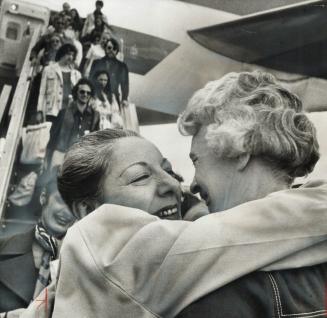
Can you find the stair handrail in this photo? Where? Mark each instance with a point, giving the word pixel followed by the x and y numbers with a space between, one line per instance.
pixel 14 132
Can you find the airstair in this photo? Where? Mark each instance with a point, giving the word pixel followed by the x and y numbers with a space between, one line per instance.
pixel 20 34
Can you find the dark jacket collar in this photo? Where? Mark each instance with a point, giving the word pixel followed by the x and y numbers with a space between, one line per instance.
pixel 107 58
pixel 17 244
pixel 75 109
pixel 17 271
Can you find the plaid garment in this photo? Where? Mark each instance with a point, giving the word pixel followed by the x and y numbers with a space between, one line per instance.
pixel 50 246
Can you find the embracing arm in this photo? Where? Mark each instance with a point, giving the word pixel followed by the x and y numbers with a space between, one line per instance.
pixel 165 265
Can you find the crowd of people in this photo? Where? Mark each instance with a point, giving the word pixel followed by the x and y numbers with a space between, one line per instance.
pixel 251 244
pixel 82 84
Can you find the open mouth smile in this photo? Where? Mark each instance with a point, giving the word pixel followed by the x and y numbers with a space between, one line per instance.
pixel 167 211
pixel 62 220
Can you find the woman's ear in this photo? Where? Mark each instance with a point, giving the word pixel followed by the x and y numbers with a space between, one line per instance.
pixel 43 198
pixel 243 161
pixel 83 208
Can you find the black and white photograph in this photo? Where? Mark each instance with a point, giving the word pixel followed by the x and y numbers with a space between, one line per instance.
pixel 163 159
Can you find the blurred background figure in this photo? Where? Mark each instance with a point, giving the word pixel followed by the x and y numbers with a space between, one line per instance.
pixel 49 56
pixel 25 257
pixel 77 24
pixel 105 102
pixel 45 41
pixel 95 19
pixel 65 8
pixel 70 36
pixel 96 51
pixel 57 82
pixel 77 120
pixel 118 71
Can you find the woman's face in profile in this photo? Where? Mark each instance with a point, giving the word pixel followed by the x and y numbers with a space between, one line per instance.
pixel 140 177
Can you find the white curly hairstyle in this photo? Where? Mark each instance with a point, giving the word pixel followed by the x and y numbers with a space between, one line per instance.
pixel 250 113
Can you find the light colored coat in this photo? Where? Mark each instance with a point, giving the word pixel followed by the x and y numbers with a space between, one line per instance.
pixel 122 262
pixel 89 23
pixel 51 89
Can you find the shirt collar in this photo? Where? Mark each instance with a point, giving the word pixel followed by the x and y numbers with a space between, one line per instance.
pixel 75 109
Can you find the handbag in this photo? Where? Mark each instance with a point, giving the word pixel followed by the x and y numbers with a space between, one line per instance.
pixel 35 139
pixel 24 192
pixel 129 115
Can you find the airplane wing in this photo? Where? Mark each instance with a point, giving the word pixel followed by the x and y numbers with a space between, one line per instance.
pixel 293 39
pixel 243 7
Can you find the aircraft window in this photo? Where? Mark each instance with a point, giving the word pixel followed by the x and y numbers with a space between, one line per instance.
pixel 12 31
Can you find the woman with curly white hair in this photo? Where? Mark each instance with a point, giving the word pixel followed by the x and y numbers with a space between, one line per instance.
pixel 251 139
pixel 252 133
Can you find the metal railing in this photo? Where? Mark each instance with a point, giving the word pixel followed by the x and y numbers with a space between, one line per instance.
pixel 14 132
pixel 4 97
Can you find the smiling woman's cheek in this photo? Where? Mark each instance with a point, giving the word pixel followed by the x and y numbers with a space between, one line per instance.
pixel 135 196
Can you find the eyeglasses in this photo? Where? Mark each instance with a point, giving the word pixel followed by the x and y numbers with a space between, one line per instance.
pixel 109 48
pixel 55 41
pixel 82 92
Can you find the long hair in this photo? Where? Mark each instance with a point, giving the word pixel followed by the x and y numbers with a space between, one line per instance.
pixel 76 23
pixel 83 81
pixel 107 90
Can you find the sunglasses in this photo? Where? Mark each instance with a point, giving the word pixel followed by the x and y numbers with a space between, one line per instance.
pixel 109 48
pixel 82 92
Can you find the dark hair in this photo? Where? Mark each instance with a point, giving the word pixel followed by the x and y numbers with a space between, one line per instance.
pixel 57 17
pixel 107 89
pixel 76 23
pixel 65 49
pixel 47 181
pixel 99 2
pixel 94 34
pixel 86 163
pixel 98 28
pixel 76 11
pixel 115 44
pixel 82 81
